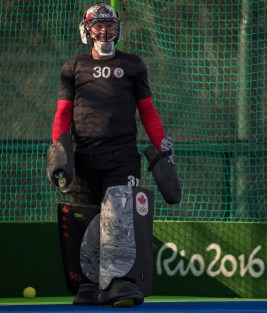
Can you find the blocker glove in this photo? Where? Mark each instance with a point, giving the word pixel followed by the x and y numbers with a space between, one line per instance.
pixel 162 166
pixel 60 164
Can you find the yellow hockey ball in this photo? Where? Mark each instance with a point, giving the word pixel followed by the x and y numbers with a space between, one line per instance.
pixel 29 293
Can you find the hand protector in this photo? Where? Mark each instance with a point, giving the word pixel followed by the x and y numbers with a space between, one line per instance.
pixel 60 164
pixel 164 171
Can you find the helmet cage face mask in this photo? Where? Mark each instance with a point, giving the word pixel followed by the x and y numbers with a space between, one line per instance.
pixel 100 23
pixel 103 30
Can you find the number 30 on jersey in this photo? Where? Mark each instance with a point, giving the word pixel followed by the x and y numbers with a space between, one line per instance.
pixel 106 72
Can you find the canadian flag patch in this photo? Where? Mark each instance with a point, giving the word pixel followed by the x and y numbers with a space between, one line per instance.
pixel 141 203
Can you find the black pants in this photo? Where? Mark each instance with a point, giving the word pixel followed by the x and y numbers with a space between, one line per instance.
pixel 96 172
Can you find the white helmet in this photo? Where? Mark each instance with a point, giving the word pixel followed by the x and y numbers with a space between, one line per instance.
pixel 100 13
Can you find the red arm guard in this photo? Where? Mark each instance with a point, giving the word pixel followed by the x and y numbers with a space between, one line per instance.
pixel 63 119
pixel 151 121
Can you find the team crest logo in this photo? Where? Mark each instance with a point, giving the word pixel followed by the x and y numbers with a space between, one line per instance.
pixel 141 203
pixel 118 72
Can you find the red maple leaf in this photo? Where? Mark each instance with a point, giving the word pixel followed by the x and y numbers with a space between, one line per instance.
pixel 65 209
pixel 142 199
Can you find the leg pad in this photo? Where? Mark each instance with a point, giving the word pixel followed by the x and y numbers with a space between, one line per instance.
pixel 126 237
pixel 73 220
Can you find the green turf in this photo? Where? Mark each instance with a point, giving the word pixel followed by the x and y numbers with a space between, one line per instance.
pixel 68 300
pixel 37 300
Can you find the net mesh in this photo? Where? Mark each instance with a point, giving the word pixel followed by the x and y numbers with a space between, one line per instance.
pixel 207 66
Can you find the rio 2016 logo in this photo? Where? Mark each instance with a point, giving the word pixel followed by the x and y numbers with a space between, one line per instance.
pixel 226 265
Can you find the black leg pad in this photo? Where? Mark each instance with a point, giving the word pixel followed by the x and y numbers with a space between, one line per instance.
pixel 73 220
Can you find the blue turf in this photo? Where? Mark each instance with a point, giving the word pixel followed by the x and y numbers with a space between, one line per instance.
pixel 170 307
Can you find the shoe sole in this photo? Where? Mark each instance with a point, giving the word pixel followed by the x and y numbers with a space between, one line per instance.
pixel 126 303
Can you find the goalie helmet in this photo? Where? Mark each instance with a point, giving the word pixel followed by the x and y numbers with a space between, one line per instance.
pixel 100 13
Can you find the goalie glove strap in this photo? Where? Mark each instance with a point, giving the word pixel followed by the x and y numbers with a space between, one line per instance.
pixel 157 158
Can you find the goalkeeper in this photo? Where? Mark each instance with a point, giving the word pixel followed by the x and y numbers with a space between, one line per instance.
pixel 100 92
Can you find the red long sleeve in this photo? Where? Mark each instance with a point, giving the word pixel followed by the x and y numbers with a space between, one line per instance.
pixel 151 121
pixel 63 119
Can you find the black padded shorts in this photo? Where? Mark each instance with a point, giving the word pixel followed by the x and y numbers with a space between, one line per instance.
pixel 96 172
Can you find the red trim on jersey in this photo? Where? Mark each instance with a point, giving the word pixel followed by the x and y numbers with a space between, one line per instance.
pixel 63 118
pixel 151 121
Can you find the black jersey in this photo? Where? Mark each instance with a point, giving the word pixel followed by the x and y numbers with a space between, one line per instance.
pixel 104 94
